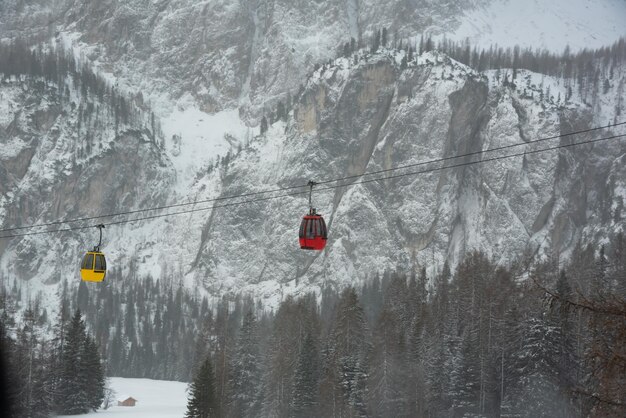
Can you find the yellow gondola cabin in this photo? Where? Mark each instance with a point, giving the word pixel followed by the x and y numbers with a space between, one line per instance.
pixel 94 266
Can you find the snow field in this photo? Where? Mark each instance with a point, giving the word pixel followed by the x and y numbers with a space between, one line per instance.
pixel 155 399
pixel 203 138
pixel 544 24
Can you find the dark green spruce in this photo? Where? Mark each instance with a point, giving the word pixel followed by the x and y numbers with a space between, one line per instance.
pixel 203 402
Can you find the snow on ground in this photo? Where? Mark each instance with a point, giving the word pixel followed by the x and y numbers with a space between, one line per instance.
pixel 202 137
pixel 155 399
pixel 545 24
pixel 193 137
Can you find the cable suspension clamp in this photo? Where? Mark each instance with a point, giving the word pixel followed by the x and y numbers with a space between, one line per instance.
pixel 311 183
pixel 100 228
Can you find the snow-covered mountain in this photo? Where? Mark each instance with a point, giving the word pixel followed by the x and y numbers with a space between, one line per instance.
pixel 71 151
pixel 210 71
pixel 353 119
pixel 553 25
pixel 221 53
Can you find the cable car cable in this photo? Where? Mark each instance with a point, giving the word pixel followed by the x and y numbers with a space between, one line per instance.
pixel 438 160
pixel 413 173
pixel 491 159
pixel 157 208
pixel 161 215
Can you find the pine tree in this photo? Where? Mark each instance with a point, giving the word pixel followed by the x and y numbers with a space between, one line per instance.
pixel 306 381
pixel 281 114
pixel 74 398
pixel 42 402
pixel 58 346
pixel 346 49
pixel 92 367
pixel 246 373
pixel 81 384
pixel 465 376
pixel 512 336
pixel 223 355
pixel 10 379
pixel 537 389
pixel 375 41
pixel 439 365
pixel 567 362
pixel 117 353
pixel 129 320
pixel 619 269
pixel 82 299
pixel 293 321
pixel 29 367
pixel 203 402
pixel 429 44
pixel 330 391
pixel 388 380
pixel 352 345
pixel 22 368
pixel 403 62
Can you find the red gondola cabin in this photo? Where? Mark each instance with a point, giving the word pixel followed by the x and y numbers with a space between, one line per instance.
pixel 313 233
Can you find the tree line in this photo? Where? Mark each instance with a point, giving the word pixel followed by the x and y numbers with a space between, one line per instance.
pixel 49 66
pixel 477 342
pixel 568 64
pixel 484 340
pixel 59 375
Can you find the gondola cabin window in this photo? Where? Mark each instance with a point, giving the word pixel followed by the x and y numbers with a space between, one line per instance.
pixel 100 263
pixel 88 262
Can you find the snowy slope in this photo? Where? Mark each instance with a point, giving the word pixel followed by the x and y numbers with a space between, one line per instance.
pixel 353 118
pixel 551 24
pixel 222 53
pixel 195 139
pixel 226 54
pixel 210 87
pixel 155 399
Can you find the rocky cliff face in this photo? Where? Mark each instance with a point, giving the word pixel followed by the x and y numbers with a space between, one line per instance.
pixel 349 118
pixel 65 157
pixel 224 53
pixel 355 119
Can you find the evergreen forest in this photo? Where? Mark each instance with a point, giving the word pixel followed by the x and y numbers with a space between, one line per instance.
pixel 61 374
pixel 541 340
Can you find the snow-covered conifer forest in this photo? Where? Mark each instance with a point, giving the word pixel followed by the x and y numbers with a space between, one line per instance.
pixel 470 159
pixel 474 341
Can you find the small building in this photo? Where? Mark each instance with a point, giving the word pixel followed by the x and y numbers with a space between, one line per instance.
pixel 129 401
